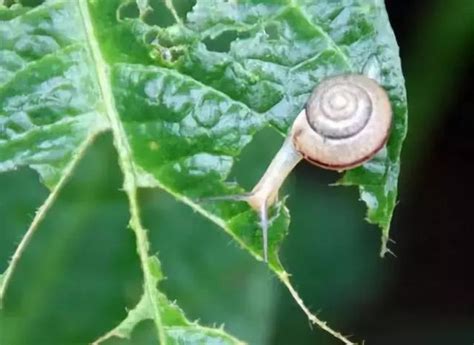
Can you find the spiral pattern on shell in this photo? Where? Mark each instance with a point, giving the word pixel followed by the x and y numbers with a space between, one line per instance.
pixel 345 123
pixel 338 110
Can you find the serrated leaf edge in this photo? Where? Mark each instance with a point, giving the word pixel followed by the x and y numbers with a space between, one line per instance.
pixel 282 275
pixel 5 278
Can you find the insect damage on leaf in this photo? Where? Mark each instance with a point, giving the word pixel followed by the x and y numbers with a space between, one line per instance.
pixel 183 90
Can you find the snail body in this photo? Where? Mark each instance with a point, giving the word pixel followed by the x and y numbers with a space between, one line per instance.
pixel 345 122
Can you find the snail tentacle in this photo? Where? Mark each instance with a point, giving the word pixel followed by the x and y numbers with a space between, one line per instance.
pixel 265 193
pixel 264 225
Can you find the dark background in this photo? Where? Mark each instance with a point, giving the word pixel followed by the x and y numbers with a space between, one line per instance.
pixel 81 271
pixel 432 301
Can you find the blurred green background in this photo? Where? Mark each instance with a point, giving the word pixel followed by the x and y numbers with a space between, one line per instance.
pixel 81 271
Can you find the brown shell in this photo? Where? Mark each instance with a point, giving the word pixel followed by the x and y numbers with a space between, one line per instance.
pixel 345 123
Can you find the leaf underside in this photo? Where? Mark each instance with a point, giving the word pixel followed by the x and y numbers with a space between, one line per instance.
pixel 184 89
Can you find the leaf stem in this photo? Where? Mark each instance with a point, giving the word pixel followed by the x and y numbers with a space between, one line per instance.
pixel 313 318
pixel 126 164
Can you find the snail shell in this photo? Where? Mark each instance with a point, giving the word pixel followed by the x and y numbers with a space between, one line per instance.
pixel 346 122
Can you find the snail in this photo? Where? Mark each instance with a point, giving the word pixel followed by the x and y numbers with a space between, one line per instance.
pixel 345 122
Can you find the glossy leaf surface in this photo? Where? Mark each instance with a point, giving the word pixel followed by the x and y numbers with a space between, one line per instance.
pixel 183 87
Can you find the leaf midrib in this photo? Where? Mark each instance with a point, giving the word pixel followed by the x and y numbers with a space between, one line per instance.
pixel 125 159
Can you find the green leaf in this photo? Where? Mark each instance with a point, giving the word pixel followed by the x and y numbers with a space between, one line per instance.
pixel 178 329
pixel 183 90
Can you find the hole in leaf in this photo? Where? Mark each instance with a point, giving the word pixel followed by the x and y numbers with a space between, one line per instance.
pixel 128 10
pixel 160 15
pixel 183 7
pixel 222 42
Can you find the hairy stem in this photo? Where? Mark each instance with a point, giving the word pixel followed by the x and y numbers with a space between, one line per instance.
pixel 127 167
pixel 313 318
pixel 39 216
